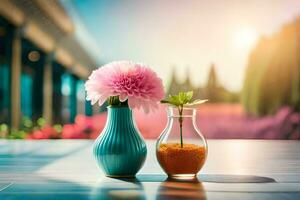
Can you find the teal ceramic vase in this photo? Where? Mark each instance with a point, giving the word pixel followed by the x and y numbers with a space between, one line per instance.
pixel 120 149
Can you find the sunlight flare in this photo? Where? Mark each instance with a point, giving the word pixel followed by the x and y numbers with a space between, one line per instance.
pixel 245 37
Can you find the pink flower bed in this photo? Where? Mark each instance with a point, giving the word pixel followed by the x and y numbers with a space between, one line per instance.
pixel 216 121
pixel 285 124
pixel 223 121
pixel 47 132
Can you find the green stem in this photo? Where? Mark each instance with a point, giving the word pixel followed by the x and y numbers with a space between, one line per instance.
pixel 180 109
pixel 114 101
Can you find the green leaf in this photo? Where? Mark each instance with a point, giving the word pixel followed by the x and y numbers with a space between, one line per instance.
pixel 41 122
pixel 181 97
pixel 179 100
pixel 3 127
pixel 174 100
pixel 196 102
pixel 189 96
pixel 57 127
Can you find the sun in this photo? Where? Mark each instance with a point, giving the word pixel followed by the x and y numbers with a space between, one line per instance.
pixel 245 37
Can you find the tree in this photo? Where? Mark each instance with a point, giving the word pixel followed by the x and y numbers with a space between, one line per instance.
pixel 273 72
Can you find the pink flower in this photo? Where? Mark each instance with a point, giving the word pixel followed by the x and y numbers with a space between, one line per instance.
pixel 50 131
pixel 72 131
pixel 84 122
pixel 47 132
pixel 38 134
pixel 130 81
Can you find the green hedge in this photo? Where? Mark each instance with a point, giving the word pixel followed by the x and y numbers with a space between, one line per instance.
pixel 273 73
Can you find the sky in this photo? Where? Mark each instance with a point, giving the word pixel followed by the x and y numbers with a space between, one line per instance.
pixel 184 35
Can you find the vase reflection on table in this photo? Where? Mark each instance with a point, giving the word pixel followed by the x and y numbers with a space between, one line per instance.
pixel 170 189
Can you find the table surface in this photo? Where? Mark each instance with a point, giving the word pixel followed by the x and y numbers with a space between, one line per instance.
pixel 66 169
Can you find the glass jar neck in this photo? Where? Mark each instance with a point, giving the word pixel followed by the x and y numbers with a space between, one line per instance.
pixel 182 125
pixel 174 112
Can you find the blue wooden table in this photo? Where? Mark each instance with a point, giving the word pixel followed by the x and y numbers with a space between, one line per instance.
pixel 66 169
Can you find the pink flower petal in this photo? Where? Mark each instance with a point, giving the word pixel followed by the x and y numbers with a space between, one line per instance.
pixel 133 81
pixel 123 97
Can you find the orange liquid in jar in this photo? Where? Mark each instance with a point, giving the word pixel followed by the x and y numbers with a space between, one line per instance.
pixel 176 160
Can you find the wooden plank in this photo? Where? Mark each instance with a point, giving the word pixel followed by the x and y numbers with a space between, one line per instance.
pixel 11 12
pixel 66 169
pixel 39 37
pixel 140 195
pixel 63 57
pixel 57 14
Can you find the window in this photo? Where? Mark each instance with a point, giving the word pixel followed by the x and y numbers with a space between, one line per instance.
pixel 26 95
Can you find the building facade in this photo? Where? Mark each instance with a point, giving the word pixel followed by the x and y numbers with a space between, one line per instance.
pixel 42 65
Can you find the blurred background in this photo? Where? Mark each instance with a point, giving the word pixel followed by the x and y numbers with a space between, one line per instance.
pixel 244 56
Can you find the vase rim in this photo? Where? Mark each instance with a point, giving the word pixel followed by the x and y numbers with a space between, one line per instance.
pixel 184 108
pixel 187 112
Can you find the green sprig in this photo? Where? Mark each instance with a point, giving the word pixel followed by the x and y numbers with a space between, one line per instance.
pixel 183 99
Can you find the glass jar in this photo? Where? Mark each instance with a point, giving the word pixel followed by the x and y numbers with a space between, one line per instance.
pixel 181 149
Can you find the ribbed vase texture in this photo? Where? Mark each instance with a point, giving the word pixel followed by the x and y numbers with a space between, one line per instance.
pixel 120 149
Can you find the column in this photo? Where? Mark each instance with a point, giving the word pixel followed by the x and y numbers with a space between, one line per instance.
pixel 16 67
pixel 48 89
pixel 57 95
pixel 88 108
pixel 73 99
pixel 38 92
